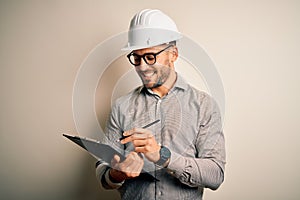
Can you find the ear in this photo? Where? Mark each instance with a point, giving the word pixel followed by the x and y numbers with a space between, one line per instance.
pixel 173 54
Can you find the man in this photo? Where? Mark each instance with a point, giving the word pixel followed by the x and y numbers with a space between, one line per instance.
pixel 184 151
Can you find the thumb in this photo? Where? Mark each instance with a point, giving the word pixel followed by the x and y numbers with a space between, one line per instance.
pixel 116 159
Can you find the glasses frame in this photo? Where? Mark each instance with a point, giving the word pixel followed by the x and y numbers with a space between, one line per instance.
pixel 144 56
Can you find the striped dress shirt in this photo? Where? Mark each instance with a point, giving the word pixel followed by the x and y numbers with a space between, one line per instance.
pixel 190 126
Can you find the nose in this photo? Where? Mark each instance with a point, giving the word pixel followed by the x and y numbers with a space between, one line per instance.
pixel 142 66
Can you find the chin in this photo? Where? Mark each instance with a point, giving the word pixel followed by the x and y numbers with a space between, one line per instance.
pixel 151 86
pixel 148 86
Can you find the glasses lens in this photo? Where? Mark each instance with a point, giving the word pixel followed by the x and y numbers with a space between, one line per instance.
pixel 150 59
pixel 135 59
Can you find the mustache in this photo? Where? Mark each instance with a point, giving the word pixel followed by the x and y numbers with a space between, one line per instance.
pixel 148 68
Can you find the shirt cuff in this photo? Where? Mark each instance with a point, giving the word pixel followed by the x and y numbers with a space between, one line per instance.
pixel 181 168
pixel 176 165
pixel 101 167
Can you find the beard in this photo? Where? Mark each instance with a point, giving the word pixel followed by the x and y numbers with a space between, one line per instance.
pixel 155 77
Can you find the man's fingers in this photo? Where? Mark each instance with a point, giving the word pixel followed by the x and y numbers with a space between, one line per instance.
pixel 129 160
pixel 136 170
pixel 143 149
pixel 134 130
pixel 137 136
pixel 116 159
pixel 132 165
pixel 136 166
pixel 138 143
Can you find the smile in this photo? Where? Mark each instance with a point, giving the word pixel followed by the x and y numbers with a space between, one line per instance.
pixel 148 74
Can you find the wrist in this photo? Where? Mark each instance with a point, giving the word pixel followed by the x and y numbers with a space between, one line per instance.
pixel 164 157
pixel 115 176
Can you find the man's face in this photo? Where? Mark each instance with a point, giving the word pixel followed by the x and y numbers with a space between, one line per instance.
pixel 155 75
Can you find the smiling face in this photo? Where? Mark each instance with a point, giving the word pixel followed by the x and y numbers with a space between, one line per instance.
pixel 156 75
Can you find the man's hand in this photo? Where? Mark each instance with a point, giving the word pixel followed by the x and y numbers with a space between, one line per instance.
pixel 131 167
pixel 144 142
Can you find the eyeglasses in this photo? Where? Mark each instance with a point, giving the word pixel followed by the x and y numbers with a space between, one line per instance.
pixel 149 58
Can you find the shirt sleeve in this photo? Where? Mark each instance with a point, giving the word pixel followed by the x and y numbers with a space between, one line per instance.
pixel 206 169
pixel 102 174
pixel 112 133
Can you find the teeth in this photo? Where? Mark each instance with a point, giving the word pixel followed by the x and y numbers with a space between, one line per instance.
pixel 149 74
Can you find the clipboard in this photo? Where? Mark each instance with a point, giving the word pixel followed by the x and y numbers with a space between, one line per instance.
pixel 102 151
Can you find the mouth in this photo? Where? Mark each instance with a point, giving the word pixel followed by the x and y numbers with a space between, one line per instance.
pixel 147 74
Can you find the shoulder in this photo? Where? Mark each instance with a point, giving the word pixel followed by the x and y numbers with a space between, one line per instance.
pixel 200 95
pixel 203 100
pixel 192 92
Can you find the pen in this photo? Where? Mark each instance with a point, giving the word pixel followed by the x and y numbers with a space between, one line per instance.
pixel 146 126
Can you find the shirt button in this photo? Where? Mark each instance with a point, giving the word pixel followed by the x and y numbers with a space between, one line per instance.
pixel 160 193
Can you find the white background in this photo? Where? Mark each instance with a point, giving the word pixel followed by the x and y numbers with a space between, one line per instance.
pixel 254 44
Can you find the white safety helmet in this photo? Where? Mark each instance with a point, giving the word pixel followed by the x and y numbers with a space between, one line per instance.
pixel 150 28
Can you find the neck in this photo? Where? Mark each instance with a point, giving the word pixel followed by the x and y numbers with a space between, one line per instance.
pixel 166 87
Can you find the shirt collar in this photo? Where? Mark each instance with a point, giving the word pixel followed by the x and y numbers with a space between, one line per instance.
pixel 180 83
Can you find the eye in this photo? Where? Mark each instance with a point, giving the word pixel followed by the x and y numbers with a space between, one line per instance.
pixel 136 58
pixel 150 57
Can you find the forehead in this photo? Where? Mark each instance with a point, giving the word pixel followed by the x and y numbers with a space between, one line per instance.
pixel 148 50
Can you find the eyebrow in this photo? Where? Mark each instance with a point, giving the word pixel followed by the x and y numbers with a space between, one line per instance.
pixel 147 52
pixel 158 50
